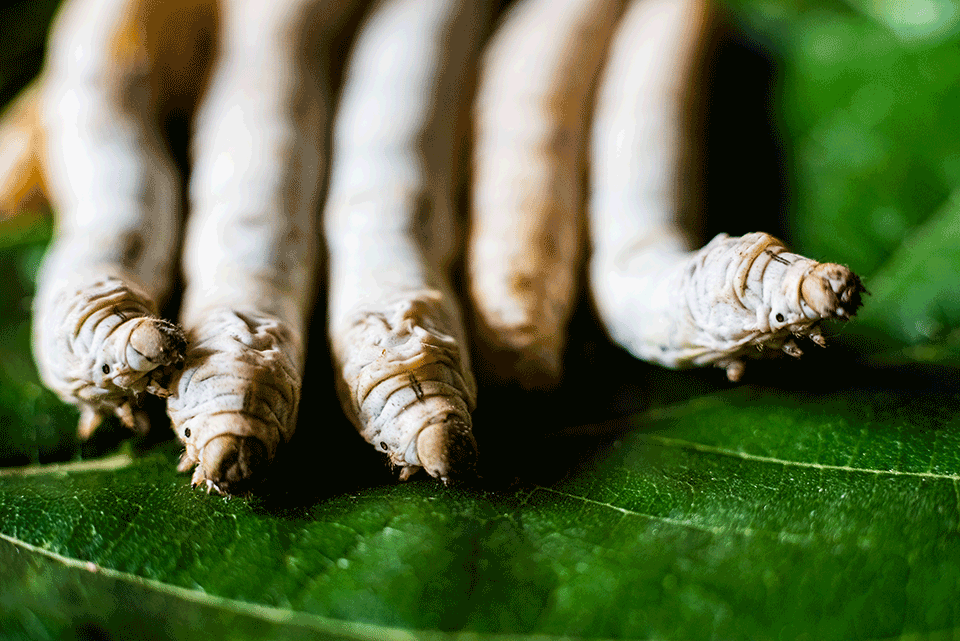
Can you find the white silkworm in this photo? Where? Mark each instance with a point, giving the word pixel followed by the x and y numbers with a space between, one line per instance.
pixel 662 302
pixel 726 302
pixel 250 251
pixel 402 368
pixel 532 110
pixel 233 382
pixel 114 188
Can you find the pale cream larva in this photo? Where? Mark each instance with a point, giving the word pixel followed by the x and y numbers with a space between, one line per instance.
pixel 531 125
pixel 251 242
pixel 115 69
pixel 115 190
pixel 736 297
pixel 401 362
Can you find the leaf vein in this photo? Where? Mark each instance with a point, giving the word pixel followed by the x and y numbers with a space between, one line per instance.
pixel 746 456
pixel 326 626
pixel 788 537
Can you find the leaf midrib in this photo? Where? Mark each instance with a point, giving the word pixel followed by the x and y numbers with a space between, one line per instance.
pixel 746 456
pixel 343 628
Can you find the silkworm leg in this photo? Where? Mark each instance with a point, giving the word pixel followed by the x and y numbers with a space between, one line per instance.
pixel 401 362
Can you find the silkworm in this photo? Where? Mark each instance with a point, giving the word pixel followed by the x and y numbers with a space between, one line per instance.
pixel 736 297
pixel 114 188
pixel 250 248
pixel 524 249
pixel 403 372
pixel 233 379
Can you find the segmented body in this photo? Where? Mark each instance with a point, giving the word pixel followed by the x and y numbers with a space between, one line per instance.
pixel 407 374
pixel 398 341
pixel 729 300
pixel 108 348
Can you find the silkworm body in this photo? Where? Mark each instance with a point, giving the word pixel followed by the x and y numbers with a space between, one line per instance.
pixel 398 343
pixel 524 247
pixel 733 299
pixel 114 189
pixel 250 246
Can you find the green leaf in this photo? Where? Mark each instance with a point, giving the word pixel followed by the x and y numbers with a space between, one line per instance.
pixel 747 513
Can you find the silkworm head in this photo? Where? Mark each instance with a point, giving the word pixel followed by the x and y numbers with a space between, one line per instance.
pixel 832 290
pixel 447 449
pixel 232 463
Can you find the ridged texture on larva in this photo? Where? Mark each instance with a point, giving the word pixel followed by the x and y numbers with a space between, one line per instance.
pixel 396 332
pixel 407 371
pixel 735 297
pixel 728 300
pixel 238 363
pixel 114 189
pixel 92 355
pixel 250 249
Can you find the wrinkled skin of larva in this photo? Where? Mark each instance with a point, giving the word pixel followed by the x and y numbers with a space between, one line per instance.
pixel 110 348
pixel 733 299
pixel 400 355
pixel 414 393
pixel 235 399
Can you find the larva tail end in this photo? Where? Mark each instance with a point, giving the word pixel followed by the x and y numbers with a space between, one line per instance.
pixel 231 464
pixel 833 291
pixel 447 450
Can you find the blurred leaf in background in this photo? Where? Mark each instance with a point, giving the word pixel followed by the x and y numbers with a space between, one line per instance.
pixel 867 98
pixel 820 500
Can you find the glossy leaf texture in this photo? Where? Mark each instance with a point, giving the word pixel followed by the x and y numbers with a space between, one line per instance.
pixel 748 512
pixel 818 500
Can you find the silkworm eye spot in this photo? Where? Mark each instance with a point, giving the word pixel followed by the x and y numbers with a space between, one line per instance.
pixel 383 446
pixel 186 432
pixel 105 369
pixel 779 318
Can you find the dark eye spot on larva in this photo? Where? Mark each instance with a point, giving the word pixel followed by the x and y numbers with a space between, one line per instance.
pixel 383 446
pixel 779 318
pixel 186 432
pixel 105 369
